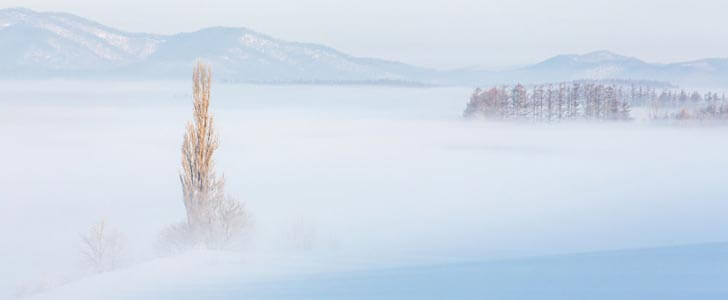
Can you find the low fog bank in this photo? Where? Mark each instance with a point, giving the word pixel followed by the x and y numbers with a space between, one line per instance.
pixel 346 177
pixel 652 273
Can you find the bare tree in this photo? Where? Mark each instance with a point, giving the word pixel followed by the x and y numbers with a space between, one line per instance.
pixel 696 98
pixel 212 217
pixel 549 103
pixel 101 248
pixel 301 235
pixel 475 103
pixel 198 178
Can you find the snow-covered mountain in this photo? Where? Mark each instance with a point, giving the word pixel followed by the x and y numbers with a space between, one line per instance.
pixel 42 45
pixel 595 65
pixel 47 44
pixel 607 65
pixel 35 44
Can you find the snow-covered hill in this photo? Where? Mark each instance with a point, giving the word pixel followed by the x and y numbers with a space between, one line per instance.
pixel 688 272
pixel 607 65
pixel 42 44
pixel 595 65
pixel 35 44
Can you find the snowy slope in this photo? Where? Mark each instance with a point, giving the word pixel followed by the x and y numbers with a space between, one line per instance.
pixel 687 272
pixel 37 44
pixel 240 54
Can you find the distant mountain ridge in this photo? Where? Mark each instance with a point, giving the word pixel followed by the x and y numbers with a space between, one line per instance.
pixel 37 45
pixel 607 65
pixel 56 42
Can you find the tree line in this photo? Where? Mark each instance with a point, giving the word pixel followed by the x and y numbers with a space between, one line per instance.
pixel 594 100
pixel 551 102
pixel 681 105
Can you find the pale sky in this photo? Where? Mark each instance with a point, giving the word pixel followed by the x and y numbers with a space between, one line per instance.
pixel 440 33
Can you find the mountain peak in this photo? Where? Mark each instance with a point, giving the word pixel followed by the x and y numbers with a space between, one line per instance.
pixel 16 12
pixel 604 55
pixel 600 57
pixel 17 9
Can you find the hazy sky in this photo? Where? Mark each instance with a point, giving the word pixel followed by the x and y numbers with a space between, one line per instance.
pixel 440 33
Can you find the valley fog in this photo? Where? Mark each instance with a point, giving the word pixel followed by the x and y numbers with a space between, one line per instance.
pixel 379 174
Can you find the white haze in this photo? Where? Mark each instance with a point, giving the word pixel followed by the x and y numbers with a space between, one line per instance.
pixel 389 176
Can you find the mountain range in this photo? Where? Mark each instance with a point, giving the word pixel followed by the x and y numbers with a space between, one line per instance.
pixel 37 45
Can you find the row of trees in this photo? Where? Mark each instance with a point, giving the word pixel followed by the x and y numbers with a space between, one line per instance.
pixel 594 100
pixel 551 102
pixel 670 98
pixel 680 105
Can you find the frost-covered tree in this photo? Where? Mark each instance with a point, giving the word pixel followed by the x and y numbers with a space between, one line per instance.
pixel 213 218
pixel 696 98
pixel 101 248
pixel 560 101
pixel 520 99
pixel 611 104
pixel 475 103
